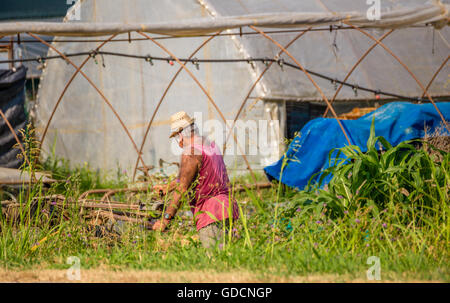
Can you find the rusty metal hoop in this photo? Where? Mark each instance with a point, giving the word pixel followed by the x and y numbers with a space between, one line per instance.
pixel 163 96
pixel 354 67
pixel 405 67
pixel 66 87
pixel 435 74
pixel 204 91
pixel 257 81
pixel 309 77
pixel 95 87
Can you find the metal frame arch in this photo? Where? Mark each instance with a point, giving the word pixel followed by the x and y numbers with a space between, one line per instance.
pixel 435 75
pixel 354 67
pixel 96 88
pixel 257 81
pixel 163 97
pixel 204 91
pixel 425 91
pixel 309 77
pixel 67 86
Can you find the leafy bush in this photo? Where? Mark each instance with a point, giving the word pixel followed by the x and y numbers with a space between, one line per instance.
pixel 403 174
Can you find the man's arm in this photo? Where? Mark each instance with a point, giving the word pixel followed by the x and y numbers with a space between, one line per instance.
pixel 166 188
pixel 190 165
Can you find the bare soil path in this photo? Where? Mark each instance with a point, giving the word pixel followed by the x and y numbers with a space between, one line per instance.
pixel 137 276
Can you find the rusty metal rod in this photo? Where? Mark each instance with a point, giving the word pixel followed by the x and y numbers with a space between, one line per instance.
pixel 162 98
pixel 97 89
pixel 97 204
pixel 92 191
pixel 110 191
pixel 120 190
pixel 405 67
pixel 309 77
pixel 204 91
pixel 354 67
pixel 66 87
pixel 435 74
pixel 112 216
pixel 257 81
pixel 133 214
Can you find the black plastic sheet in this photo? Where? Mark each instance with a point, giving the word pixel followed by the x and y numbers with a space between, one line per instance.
pixel 12 99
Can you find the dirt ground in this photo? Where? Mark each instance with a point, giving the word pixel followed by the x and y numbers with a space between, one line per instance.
pixel 106 276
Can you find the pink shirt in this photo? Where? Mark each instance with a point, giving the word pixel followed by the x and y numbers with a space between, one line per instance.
pixel 212 193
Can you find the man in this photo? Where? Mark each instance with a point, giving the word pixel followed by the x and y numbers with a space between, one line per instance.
pixel 202 168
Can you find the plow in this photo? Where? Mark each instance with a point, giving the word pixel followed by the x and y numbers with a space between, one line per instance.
pixel 99 208
pixel 104 210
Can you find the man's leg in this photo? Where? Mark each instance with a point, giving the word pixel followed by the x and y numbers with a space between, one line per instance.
pixel 211 234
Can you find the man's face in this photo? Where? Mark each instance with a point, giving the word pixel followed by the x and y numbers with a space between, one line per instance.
pixel 179 139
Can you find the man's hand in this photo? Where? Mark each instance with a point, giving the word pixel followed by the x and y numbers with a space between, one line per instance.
pixel 160 225
pixel 160 188
pixel 164 189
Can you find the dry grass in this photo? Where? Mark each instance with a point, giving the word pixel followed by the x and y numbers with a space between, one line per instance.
pixel 148 276
pixel 439 139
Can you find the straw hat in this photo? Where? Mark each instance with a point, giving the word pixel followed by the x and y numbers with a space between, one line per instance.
pixel 178 122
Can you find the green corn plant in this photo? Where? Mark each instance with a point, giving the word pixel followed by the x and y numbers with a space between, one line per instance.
pixel 383 178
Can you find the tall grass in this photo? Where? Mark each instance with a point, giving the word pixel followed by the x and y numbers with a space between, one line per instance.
pixel 390 202
pixel 392 192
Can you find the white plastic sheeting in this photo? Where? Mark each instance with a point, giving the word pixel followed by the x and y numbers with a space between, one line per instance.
pixel 269 14
pixel 84 129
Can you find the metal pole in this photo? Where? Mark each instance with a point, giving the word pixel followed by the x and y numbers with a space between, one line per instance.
pixel 257 81
pixel 309 77
pixel 205 91
pixel 405 67
pixel 435 74
pixel 66 87
pixel 354 67
pixel 96 88
pixel 162 98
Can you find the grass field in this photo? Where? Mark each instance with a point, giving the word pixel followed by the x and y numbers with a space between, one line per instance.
pixel 393 205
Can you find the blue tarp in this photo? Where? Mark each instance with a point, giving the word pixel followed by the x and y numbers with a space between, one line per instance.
pixel 308 152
